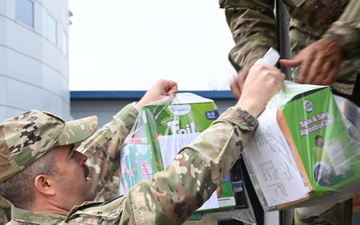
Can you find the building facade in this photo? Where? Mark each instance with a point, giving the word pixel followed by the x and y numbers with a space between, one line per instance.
pixel 34 63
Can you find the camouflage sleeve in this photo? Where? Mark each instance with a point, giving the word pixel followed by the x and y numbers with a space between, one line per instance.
pixel 346 30
pixel 193 175
pixel 253 26
pixel 102 148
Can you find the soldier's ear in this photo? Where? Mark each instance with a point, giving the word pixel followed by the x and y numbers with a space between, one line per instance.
pixel 44 184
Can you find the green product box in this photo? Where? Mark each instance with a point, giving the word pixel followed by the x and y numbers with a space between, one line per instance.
pixel 301 154
pixel 166 129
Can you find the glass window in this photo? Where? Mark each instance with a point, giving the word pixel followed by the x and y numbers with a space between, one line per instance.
pixel 65 44
pixel 51 29
pixel 25 12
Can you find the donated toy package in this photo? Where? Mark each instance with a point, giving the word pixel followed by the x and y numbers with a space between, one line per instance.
pixel 304 151
pixel 160 132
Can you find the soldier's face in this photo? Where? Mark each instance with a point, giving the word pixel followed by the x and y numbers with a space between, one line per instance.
pixel 72 182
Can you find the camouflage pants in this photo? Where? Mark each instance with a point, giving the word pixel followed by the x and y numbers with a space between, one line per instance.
pixel 339 214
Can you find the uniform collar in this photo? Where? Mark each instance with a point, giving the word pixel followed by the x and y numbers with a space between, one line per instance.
pixel 29 217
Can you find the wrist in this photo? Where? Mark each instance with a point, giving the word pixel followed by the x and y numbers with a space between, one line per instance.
pixel 135 104
pixel 249 106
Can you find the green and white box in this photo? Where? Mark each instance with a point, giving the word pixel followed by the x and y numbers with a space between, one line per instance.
pixel 166 128
pixel 301 153
pixel 169 127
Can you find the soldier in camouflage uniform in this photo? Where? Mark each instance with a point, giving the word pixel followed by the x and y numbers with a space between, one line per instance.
pixel 44 174
pixel 324 38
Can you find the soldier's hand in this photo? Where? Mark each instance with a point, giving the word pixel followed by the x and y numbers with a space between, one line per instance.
pixel 319 62
pixel 159 90
pixel 262 83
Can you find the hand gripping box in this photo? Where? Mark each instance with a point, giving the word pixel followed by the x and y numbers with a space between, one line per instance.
pixel 163 130
pixel 301 154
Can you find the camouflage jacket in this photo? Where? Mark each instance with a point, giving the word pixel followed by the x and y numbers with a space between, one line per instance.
pixel 253 25
pixel 174 194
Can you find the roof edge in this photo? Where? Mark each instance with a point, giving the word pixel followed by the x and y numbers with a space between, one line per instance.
pixel 92 95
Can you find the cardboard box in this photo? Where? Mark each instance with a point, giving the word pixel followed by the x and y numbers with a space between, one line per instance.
pixel 301 153
pixel 166 129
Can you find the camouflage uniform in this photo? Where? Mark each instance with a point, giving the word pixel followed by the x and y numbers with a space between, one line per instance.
pixel 110 190
pixel 174 194
pixel 253 26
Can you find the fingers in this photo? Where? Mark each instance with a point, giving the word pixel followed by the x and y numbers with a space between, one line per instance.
pixel 332 72
pixel 261 84
pixel 163 87
pixel 323 76
pixel 309 70
pixel 319 72
pixel 237 85
pixel 275 81
pixel 170 87
pixel 159 90
pixel 319 62
pixel 278 80
pixel 290 62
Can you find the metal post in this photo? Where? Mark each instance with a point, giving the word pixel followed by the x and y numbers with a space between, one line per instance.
pixel 282 22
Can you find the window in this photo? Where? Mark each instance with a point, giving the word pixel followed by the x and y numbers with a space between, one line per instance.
pixel 25 12
pixel 51 29
pixel 65 44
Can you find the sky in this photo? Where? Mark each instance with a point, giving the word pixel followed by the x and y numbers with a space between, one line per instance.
pixel 128 45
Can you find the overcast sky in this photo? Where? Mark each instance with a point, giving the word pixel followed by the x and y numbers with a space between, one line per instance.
pixel 128 45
